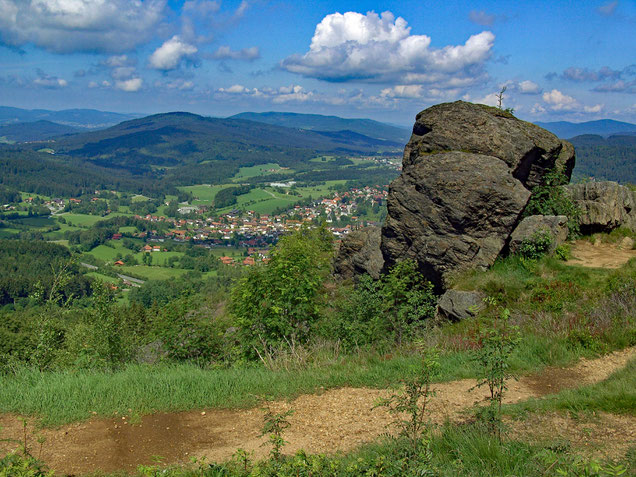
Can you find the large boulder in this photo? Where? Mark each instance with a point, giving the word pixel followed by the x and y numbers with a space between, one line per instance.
pixel 604 206
pixel 360 253
pixel 528 150
pixel 555 225
pixel 456 305
pixel 466 179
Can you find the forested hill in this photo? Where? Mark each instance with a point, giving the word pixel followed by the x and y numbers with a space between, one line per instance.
pixel 34 131
pixel 156 154
pixel 612 158
pixel 172 138
pixel 318 122
pixel 601 127
pixel 82 118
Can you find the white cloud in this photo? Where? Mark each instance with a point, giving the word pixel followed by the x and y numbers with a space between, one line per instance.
pixel 490 99
pixel 65 26
pixel 226 53
pixel 283 94
pixel 528 87
pixel 412 91
pixel 560 102
pixel 47 81
pixel 130 86
pixel 169 55
pixel 380 48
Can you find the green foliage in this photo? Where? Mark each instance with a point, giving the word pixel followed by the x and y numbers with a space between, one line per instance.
pixel 498 341
pixel 280 301
pixel 550 198
pixel 413 401
pixel 274 425
pixel 393 309
pixel 226 197
pixel 536 246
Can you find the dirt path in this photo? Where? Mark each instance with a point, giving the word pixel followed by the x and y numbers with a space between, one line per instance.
pixel 600 255
pixel 335 420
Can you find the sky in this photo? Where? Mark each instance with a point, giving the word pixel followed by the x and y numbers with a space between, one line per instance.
pixel 385 60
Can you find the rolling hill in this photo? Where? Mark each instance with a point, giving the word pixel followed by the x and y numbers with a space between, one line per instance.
pixel 602 127
pixel 81 118
pixel 34 131
pixel 317 122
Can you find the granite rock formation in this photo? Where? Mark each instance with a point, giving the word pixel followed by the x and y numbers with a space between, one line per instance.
pixel 467 174
pixel 360 253
pixel 604 206
pixel 555 225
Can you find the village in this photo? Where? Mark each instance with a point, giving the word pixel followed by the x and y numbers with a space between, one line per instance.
pixel 258 232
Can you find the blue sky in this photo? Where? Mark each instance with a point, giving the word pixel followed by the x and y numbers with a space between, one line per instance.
pixel 559 60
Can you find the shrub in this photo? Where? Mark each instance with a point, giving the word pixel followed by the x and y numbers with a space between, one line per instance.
pixel 536 246
pixel 550 198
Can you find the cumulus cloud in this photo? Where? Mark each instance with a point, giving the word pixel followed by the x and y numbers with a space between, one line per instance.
pixel 528 87
pixel 283 94
pixel 560 102
pixel 246 54
pixel 380 48
pixel 47 81
pixel 170 55
pixel 411 91
pixel 64 26
pixel 130 86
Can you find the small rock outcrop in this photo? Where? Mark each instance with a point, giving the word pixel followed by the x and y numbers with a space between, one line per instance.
pixel 458 305
pixel 604 206
pixel 360 253
pixel 467 174
pixel 555 225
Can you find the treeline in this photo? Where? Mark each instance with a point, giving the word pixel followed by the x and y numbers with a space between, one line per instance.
pixel 103 230
pixel 39 270
pixel 62 176
pixel 226 197
pixel 612 158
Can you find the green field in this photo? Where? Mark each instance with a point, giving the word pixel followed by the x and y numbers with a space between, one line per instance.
pixel 85 220
pixel 152 273
pixel 158 258
pixel 8 233
pixel 128 230
pixel 204 194
pixel 108 254
pixel 260 170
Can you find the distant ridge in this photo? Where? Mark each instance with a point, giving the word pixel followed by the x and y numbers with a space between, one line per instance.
pixel 318 122
pixel 601 127
pixel 41 130
pixel 80 118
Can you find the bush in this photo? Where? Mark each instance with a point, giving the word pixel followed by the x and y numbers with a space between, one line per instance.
pixel 550 198
pixel 536 246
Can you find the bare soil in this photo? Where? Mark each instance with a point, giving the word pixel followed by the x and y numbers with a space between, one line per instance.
pixel 599 254
pixel 326 422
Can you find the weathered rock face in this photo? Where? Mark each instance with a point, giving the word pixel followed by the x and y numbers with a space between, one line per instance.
pixel 556 225
pixel 458 305
pixel 604 206
pixel 466 179
pixel 360 253
pixel 527 149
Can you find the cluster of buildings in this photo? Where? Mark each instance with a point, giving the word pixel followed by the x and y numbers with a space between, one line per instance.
pixel 259 231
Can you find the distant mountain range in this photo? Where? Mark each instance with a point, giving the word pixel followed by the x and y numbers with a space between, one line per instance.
pixel 34 131
pixel 602 127
pixel 80 118
pixel 317 122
